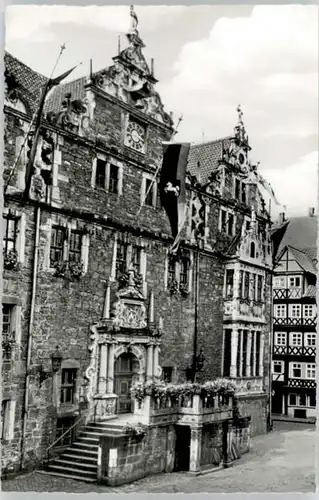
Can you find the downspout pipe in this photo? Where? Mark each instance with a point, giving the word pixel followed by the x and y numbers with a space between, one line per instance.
pixel 37 216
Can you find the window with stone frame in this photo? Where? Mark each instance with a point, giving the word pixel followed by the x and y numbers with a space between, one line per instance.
pixel 8 335
pixel 113 186
pixel 68 385
pixel 58 236
pixel 246 285
pixel 227 352
pixel 240 190
pixel 171 268
pixel 121 255
pixel 100 174
pixel 167 373
pixel 229 292
pixel 75 246
pixel 5 405
pixel 257 354
pixel 244 356
pixel 136 258
pixel 10 233
pixel 184 270
pixel 260 284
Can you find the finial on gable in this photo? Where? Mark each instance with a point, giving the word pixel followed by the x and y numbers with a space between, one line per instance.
pixel 134 20
pixel 239 130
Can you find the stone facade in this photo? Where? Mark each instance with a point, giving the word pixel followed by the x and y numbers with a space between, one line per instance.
pixel 96 152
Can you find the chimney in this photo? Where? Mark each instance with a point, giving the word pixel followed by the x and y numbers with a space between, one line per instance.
pixel 281 218
pixel 311 211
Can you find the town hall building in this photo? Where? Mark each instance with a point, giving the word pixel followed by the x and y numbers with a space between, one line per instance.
pixel 93 299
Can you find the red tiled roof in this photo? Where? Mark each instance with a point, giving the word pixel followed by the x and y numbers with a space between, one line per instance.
pixel 207 155
pixel 30 82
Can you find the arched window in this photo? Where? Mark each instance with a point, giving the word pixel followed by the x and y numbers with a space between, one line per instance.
pixel 252 250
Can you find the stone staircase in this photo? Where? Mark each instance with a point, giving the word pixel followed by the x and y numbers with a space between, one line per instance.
pixel 79 461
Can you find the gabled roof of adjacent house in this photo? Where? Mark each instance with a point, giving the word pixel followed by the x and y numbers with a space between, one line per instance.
pixel 30 82
pixel 302 259
pixel 206 157
pixel 302 233
pixel 57 95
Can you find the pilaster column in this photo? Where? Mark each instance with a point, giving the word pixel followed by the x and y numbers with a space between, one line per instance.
pixel 241 359
pixel 253 352
pixel 261 355
pixel 103 369
pixel 233 359
pixel 149 368
pixel 195 449
pixel 110 369
pixel 156 360
pixel 248 370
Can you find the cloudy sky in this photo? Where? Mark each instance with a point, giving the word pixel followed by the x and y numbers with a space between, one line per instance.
pixel 208 59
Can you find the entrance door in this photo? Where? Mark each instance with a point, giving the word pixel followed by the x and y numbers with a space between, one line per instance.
pixel 123 374
pixel 276 401
pixel 182 448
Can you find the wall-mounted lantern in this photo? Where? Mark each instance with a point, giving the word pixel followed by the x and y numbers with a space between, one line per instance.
pixel 56 361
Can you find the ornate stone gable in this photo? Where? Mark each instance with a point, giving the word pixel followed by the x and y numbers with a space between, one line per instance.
pixel 255 246
pixel 131 80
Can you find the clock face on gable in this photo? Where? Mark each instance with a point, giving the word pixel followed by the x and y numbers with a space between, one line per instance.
pixel 135 136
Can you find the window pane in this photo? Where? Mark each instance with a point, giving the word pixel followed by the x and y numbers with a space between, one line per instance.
pixel 100 173
pixel 148 192
pixel 113 181
pixel 75 246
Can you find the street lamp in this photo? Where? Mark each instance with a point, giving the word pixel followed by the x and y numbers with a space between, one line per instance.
pixel 56 361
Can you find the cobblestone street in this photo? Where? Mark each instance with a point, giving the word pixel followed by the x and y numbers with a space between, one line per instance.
pixel 282 461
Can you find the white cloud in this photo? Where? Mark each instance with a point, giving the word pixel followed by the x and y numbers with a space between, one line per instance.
pixel 32 22
pixel 295 186
pixel 268 62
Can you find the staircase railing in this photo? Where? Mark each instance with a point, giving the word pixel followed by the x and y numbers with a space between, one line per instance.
pixel 48 450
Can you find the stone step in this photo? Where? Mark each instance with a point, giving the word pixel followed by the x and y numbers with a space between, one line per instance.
pixel 84 467
pixel 84 445
pixel 73 470
pixel 102 428
pixel 69 476
pixel 82 452
pixel 75 456
pixel 88 439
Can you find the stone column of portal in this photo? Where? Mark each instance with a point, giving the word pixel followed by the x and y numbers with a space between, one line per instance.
pixel 195 449
pixel 261 355
pixel 103 372
pixel 248 371
pixel 233 359
pixel 110 370
pixel 149 367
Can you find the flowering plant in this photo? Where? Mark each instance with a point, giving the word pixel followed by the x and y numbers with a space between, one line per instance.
pixel 136 429
pixel 172 286
pixel 10 260
pixel 76 269
pixel 61 268
pixel 138 392
pixel 183 288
